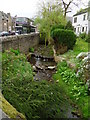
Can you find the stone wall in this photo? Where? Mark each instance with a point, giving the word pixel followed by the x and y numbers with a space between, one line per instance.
pixel 21 42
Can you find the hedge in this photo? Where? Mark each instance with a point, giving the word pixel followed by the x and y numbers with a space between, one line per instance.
pixel 64 37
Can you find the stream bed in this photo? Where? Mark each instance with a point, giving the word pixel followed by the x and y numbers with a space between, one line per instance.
pixel 44 69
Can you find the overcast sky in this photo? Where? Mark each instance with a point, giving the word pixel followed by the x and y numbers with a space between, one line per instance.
pixel 25 8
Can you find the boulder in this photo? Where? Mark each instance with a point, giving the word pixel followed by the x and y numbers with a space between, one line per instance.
pixel 82 55
pixel 85 67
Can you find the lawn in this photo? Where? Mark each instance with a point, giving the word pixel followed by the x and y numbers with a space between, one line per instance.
pixel 80 46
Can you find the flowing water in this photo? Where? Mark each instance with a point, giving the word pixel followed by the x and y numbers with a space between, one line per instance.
pixel 44 70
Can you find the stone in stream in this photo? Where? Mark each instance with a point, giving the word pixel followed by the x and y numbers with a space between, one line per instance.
pixel 51 67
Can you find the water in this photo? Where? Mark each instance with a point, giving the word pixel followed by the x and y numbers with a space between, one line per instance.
pixel 41 65
pixel 42 72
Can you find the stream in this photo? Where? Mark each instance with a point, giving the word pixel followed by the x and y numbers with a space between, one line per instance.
pixel 44 70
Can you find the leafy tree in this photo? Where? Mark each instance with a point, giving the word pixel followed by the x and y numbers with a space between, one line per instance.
pixel 69 26
pixel 48 16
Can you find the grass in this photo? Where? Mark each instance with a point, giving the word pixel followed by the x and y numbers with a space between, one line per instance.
pixel 80 46
pixel 9 109
pixel 34 99
pixel 76 88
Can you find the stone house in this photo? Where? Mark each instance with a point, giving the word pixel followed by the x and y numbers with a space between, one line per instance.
pixel 3 21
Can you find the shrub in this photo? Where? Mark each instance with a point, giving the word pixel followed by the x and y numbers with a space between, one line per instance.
pixel 57 27
pixel 43 38
pixel 83 35
pixel 15 51
pixel 64 37
pixel 31 49
pixel 88 38
pixel 69 26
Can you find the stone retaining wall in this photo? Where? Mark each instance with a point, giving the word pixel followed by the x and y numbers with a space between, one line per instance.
pixel 21 42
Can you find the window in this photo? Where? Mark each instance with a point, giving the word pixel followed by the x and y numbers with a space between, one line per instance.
pixel 75 19
pixel 82 29
pixel 75 29
pixel 78 29
pixel 84 17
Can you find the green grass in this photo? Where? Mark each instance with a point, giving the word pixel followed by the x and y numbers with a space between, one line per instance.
pixel 9 109
pixel 80 46
pixel 34 99
pixel 76 88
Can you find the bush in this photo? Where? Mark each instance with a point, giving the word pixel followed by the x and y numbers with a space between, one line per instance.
pixel 15 51
pixel 42 38
pixel 57 27
pixel 69 26
pixel 83 35
pixel 88 38
pixel 64 37
pixel 31 49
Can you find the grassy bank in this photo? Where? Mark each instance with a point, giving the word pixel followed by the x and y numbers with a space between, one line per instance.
pixel 32 98
pixel 80 46
pixel 76 89
pixel 9 109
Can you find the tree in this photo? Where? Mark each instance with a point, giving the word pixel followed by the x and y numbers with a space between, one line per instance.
pixel 69 26
pixel 66 5
pixel 48 16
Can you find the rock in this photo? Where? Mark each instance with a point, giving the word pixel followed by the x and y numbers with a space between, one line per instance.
pixel 82 55
pixel 85 67
pixel 34 68
pixel 51 67
pixel 39 67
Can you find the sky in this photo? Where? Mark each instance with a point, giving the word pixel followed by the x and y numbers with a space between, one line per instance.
pixel 27 8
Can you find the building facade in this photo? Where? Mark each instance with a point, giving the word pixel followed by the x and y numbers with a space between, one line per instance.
pixel 5 22
pixel 24 25
pixel 81 22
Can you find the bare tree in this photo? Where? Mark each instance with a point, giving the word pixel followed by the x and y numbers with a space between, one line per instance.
pixel 67 5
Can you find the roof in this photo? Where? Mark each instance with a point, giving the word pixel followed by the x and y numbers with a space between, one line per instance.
pixel 81 12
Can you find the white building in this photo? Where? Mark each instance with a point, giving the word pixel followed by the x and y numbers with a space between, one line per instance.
pixel 81 22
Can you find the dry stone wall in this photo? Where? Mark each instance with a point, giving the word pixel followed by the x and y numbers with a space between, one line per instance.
pixel 21 42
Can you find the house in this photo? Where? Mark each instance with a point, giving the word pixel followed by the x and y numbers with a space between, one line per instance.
pixel 81 21
pixel 5 22
pixel 24 25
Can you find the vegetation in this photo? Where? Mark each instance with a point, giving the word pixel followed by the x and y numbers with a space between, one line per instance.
pixel 31 49
pixel 64 37
pixel 80 46
pixel 77 90
pixel 69 26
pixel 34 99
pixel 83 35
pixel 9 109
pixel 49 16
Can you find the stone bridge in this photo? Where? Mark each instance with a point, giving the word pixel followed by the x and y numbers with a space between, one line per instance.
pixel 22 42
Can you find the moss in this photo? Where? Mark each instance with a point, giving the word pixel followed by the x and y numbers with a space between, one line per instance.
pixel 9 109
